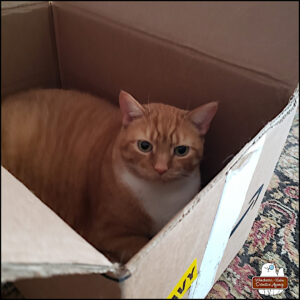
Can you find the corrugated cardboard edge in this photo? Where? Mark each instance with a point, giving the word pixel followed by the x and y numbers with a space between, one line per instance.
pixel 289 108
pixel 84 260
pixel 14 271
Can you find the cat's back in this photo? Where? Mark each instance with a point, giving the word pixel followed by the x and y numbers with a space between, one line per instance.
pixel 28 115
pixel 47 135
pixel 44 103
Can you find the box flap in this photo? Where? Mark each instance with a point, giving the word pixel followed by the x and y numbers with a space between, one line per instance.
pixel 276 133
pixel 233 197
pixel 257 36
pixel 36 242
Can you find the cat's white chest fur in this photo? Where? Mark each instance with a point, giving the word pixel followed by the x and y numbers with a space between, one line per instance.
pixel 162 200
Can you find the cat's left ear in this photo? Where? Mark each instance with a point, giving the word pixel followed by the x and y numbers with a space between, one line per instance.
pixel 130 108
pixel 203 115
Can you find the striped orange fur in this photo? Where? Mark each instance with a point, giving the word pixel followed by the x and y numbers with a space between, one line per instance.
pixel 82 157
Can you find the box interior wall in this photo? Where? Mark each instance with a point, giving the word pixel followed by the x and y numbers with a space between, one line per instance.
pixel 111 57
pixel 67 46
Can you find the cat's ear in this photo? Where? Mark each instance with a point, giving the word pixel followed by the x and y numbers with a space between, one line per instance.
pixel 130 108
pixel 203 115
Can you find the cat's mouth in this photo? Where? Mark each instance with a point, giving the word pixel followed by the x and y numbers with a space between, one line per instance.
pixel 166 177
pixel 153 175
pixel 169 175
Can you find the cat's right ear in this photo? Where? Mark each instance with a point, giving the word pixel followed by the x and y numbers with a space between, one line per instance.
pixel 130 108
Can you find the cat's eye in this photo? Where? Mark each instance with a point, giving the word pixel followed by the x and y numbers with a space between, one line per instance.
pixel 144 146
pixel 181 150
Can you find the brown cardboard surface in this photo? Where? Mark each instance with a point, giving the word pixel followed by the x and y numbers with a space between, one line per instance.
pixel 154 69
pixel 89 286
pixel 28 57
pixel 36 242
pixel 185 58
pixel 225 31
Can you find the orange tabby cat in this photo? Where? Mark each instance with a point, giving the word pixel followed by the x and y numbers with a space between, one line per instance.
pixel 116 178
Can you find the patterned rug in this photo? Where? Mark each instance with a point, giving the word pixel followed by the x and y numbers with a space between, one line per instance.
pixel 274 236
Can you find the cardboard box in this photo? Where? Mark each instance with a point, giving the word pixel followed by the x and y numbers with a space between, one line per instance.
pixel 242 54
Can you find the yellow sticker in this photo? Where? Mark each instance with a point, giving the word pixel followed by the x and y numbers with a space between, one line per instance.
pixel 185 282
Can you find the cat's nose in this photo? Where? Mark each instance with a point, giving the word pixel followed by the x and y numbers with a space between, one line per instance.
pixel 160 169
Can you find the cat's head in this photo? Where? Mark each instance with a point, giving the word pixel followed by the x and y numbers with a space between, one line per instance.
pixel 162 142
